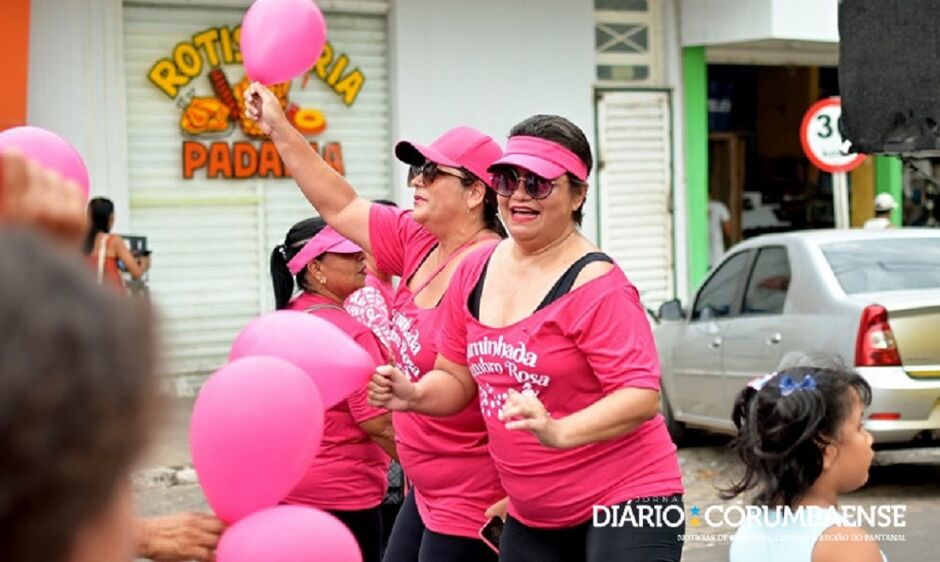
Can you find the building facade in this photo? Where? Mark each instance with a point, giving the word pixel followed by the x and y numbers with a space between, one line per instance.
pixel 149 91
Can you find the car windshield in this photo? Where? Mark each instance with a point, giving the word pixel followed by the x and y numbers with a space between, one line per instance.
pixel 865 266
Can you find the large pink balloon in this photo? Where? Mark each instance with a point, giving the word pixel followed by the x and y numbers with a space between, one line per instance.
pixel 255 429
pixel 48 150
pixel 288 533
pixel 337 364
pixel 281 39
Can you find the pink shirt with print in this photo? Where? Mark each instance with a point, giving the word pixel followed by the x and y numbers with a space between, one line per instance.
pixel 349 472
pixel 446 458
pixel 589 343
pixel 370 305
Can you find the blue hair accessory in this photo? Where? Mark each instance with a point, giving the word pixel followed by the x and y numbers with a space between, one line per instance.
pixel 788 386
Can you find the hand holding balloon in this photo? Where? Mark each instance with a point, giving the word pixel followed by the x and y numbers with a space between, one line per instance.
pixel 263 107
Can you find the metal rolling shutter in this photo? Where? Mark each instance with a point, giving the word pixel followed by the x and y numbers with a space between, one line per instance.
pixel 212 238
pixel 636 189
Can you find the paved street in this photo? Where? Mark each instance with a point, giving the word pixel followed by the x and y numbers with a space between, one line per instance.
pixel 909 477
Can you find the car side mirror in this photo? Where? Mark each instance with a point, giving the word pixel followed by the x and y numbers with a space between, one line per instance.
pixel 671 310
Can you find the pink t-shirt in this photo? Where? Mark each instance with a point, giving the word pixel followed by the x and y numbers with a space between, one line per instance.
pixel 570 354
pixel 349 472
pixel 370 306
pixel 446 458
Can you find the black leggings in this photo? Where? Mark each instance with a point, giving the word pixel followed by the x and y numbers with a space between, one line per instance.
pixel 411 541
pixel 587 543
pixel 366 526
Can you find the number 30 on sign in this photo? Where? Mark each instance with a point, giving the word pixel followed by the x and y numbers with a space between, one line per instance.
pixel 822 139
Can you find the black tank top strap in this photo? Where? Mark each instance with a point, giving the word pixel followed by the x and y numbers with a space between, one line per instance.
pixel 473 301
pixel 561 288
pixel 564 284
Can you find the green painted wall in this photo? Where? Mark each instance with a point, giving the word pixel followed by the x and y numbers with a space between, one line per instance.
pixel 695 84
pixel 888 179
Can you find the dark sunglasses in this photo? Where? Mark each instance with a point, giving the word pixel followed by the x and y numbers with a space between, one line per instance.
pixel 429 172
pixel 505 183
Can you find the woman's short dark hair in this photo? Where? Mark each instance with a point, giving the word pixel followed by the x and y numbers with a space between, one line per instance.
pixel 490 204
pixel 100 211
pixel 76 396
pixel 562 131
pixel 296 238
pixel 781 438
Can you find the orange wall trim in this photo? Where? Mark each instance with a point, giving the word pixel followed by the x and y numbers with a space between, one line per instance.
pixel 14 62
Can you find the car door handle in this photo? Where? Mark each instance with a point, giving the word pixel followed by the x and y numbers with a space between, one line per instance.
pixel 715 343
pixel 775 339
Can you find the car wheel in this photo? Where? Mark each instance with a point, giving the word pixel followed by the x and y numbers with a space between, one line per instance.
pixel 676 428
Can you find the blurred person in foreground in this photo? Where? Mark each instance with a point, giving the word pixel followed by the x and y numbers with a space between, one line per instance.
pixel 34 198
pixel 72 419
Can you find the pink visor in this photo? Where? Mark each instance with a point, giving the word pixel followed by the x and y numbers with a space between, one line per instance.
pixel 327 240
pixel 542 157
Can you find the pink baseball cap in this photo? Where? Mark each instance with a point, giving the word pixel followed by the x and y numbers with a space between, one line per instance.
pixel 460 147
pixel 541 157
pixel 327 240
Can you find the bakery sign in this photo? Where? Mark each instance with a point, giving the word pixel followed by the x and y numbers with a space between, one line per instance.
pixel 212 106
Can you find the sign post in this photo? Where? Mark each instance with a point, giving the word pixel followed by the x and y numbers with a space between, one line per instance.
pixel 828 150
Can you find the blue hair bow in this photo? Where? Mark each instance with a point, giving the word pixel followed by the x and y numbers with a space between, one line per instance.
pixel 788 385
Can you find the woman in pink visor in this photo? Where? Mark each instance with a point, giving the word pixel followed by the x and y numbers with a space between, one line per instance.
pixel 348 477
pixel 551 335
pixel 447 459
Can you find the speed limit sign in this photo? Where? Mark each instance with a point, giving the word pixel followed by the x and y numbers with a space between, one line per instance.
pixel 822 139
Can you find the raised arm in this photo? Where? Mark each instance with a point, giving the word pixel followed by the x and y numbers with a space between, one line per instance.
pixel 330 193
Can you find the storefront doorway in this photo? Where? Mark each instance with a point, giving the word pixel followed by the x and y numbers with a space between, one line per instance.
pixel 756 164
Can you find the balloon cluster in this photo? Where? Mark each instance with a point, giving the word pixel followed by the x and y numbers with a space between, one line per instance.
pixel 258 421
pixel 256 428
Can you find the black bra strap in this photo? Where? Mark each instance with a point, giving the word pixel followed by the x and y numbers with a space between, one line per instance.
pixel 564 284
pixel 473 301
pixel 561 288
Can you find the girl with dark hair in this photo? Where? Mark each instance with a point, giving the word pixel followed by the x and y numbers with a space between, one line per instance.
pixel 802 442
pixel 547 337
pixel 348 476
pixel 447 459
pixel 104 250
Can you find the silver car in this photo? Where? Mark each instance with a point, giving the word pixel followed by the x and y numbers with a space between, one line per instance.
pixel 869 298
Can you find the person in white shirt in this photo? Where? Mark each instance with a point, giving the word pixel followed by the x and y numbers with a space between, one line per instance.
pixel 884 204
pixel 719 227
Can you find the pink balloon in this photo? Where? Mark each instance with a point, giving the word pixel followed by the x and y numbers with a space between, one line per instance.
pixel 281 39
pixel 49 150
pixel 255 429
pixel 335 362
pixel 288 533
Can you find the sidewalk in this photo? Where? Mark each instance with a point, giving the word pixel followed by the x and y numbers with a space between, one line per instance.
pixel 167 461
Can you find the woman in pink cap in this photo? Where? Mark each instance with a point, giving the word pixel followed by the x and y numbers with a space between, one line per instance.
pixel 447 458
pixel 348 476
pixel 551 335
